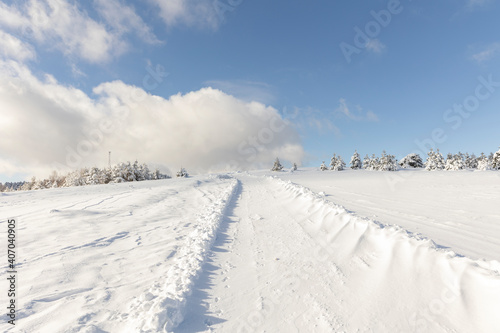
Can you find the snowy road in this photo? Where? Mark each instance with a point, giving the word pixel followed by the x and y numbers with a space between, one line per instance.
pixel 288 261
pixel 244 254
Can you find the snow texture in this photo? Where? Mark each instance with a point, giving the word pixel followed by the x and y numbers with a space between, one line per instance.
pixel 308 251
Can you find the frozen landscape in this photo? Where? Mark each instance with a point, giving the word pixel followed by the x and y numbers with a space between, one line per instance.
pixel 303 251
pixel 398 231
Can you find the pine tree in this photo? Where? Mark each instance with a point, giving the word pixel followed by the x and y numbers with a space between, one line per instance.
pixel 294 167
pixel 182 173
pixel 374 163
pixel 156 174
pixel 28 185
pixel 129 172
pixel 144 172
pixel 277 165
pixel 455 162
pixel 411 161
pixel 339 164
pixel 495 161
pixel 323 166
pixel 387 162
pixel 470 161
pixel 366 162
pixel 94 177
pixel 356 161
pixel 333 162
pixel 483 163
pixel 435 161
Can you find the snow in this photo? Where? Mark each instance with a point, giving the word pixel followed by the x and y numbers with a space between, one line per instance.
pixel 308 251
pixel 456 209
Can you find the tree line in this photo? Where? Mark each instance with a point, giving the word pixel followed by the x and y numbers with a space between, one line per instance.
pixel 122 172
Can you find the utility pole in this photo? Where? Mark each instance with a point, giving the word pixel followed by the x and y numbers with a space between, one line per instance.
pixel 109 160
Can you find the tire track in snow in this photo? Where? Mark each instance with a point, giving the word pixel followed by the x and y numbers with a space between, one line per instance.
pixel 162 307
pixel 260 277
pixel 300 263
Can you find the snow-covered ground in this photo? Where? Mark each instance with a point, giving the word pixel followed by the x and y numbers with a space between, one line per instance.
pixel 261 252
pixel 456 209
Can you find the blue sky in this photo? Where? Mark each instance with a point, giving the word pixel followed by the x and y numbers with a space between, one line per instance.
pixel 69 66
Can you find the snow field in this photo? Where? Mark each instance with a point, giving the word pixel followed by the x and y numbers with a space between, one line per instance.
pixel 389 269
pixel 87 252
pixel 162 307
pixel 253 253
pixel 456 209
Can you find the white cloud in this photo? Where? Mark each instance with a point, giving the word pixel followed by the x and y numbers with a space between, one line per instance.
pixel 64 26
pixel 308 118
pixel 44 123
pixel 13 48
pixel 245 90
pixel 487 53
pixel 375 46
pixel 123 19
pixel 357 114
pixel 202 13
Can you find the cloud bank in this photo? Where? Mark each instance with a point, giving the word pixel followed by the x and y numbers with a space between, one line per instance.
pixel 47 125
pixel 64 26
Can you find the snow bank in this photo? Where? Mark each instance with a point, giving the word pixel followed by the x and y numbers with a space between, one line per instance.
pixel 458 210
pixel 429 288
pixel 162 307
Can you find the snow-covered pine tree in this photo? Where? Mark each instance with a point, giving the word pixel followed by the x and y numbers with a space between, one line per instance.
pixel 277 165
pixel 495 161
pixel 366 162
pixel 55 180
pixel 333 162
pixel 484 164
pixel 13 186
pixel 387 162
pixel 411 161
pixel 294 167
pixel 40 184
pixel 339 164
pixel 28 185
pixel 435 161
pixel 448 165
pixel 455 162
pixel 182 173
pixel 470 161
pixel 138 172
pixel 118 173
pixel 356 161
pixel 129 172
pixel 374 163
pixel 144 172
pixel 459 161
pixel 156 175
pixel 94 177
pixel 323 166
